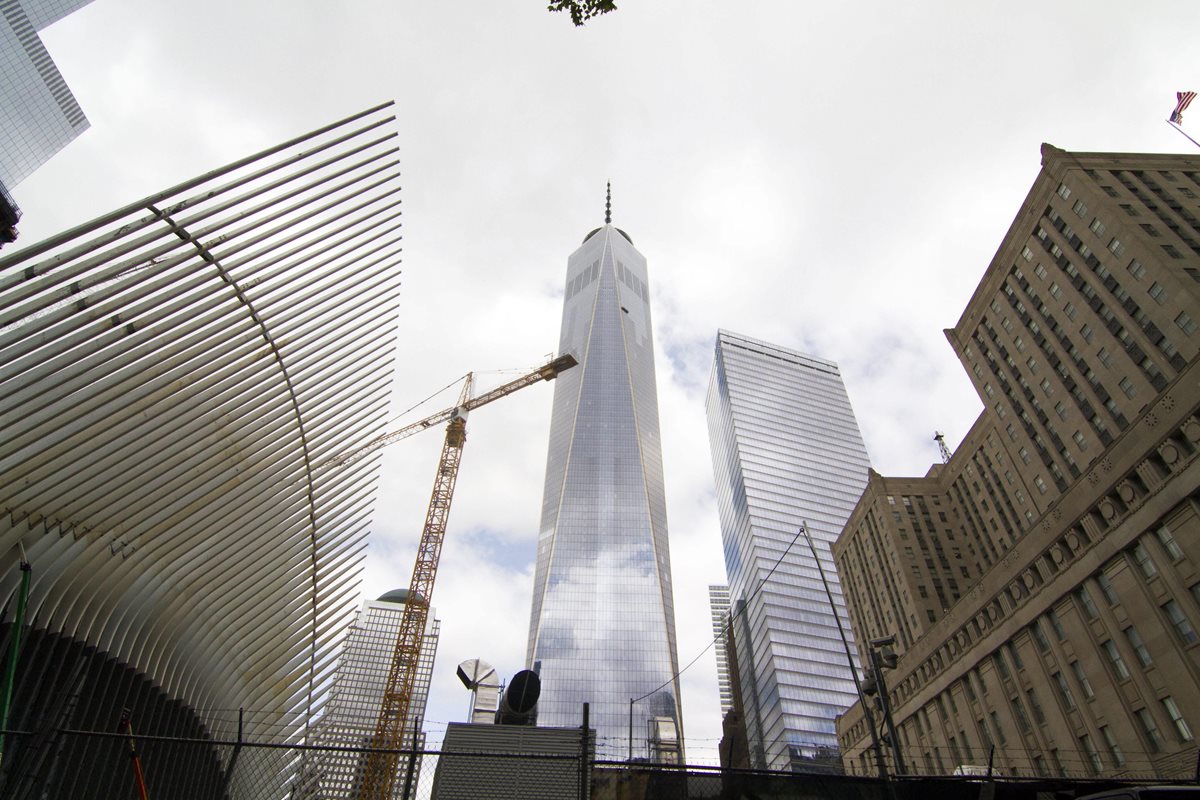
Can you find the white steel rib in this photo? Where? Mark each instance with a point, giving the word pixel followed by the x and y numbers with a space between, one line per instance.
pixel 169 374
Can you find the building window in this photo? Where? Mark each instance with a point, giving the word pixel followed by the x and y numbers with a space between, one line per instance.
pixel 1001 667
pixel 1172 251
pixel 1039 483
pixel 1150 730
pixel 1157 291
pixel 1014 655
pixel 1097 227
pixel 1024 454
pixel 1136 269
pixel 1060 408
pixel 1116 247
pixel 1114 657
pixel 1169 544
pixel 1086 332
pixel 1026 253
pixel 1185 323
pixel 1079 208
pixel 1064 690
pixel 1070 310
pixel 1040 271
pixel 1038 714
pixel 1084 683
pixel 1031 363
pixel 1092 756
pixel 1039 636
pixel 1181 726
pixel 1020 343
pixel 1080 440
pixel 1180 622
pixel 1144 562
pixel 1127 387
pixel 987 389
pixel 1019 714
pixel 1139 647
pixel 1055 292
pixel 1106 587
pixel 998 729
pixel 1085 602
pixel 1063 191
pixel 1114 750
pixel 1011 431
pixel 1104 356
pixel 1056 624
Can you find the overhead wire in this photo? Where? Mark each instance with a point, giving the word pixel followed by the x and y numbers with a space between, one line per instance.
pixel 721 635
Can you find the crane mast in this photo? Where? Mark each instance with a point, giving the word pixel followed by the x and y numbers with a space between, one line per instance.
pixel 380 770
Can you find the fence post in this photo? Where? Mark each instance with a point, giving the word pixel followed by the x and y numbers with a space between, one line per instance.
pixel 412 768
pixel 583 756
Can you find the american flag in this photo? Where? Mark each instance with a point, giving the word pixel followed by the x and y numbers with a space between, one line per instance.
pixel 1182 101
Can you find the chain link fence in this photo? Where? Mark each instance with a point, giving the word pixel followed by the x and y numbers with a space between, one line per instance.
pixel 105 764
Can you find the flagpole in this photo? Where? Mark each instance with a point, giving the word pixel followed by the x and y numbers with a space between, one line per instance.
pixel 1176 127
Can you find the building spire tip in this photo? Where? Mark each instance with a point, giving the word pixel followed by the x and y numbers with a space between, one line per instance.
pixel 608 205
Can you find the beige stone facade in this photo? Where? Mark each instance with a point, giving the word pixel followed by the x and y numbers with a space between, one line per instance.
pixel 1044 585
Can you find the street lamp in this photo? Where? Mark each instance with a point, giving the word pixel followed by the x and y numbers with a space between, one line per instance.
pixel 858 687
pixel 884 657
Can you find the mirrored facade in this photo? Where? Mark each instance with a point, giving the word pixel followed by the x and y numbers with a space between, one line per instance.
pixel 602 629
pixel 786 451
pixel 353 710
pixel 38 113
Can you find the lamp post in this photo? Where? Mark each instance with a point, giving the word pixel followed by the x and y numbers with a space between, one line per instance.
pixel 858 687
pixel 883 657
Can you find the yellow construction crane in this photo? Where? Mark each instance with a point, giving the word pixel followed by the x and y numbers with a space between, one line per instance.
pixel 380 770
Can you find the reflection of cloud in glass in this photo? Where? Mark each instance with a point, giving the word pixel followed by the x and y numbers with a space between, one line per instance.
pixel 602 628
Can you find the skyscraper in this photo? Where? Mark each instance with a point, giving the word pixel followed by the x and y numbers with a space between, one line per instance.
pixel 786 451
pixel 1042 584
pixel 38 113
pixel 602 628
pixel 718 603
pixel 358 685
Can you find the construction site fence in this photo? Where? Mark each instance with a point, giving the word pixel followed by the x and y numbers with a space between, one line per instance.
pixel 105 764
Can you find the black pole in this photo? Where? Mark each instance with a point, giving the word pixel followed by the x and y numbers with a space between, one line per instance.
pixel 880 766
pixel 631 737
pixel 411 771
pixel 887 711
pixel 991 756
pixel 583 755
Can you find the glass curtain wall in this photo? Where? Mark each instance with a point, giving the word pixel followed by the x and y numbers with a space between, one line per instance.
pixel 786 450
pixel 602 628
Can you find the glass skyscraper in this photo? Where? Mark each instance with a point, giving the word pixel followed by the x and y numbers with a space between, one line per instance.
pixel 602 628
pixel 353 708
pixel 786 451
pixel 38 113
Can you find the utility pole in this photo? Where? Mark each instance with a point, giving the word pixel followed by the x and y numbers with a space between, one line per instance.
pixel 876 746
pixel 883 657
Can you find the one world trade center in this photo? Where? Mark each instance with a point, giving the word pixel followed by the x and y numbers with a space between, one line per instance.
pixel 602 629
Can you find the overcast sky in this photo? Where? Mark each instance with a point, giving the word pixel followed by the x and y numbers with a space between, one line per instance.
pixel 831 177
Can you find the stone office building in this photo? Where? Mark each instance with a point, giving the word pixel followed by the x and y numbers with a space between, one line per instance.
pixel 1042 585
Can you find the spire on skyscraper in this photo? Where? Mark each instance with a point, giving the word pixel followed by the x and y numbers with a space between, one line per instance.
pixel 608 205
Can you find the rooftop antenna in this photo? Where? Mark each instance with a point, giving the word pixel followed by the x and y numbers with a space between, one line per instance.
pixel 608 205
pixel 940 438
